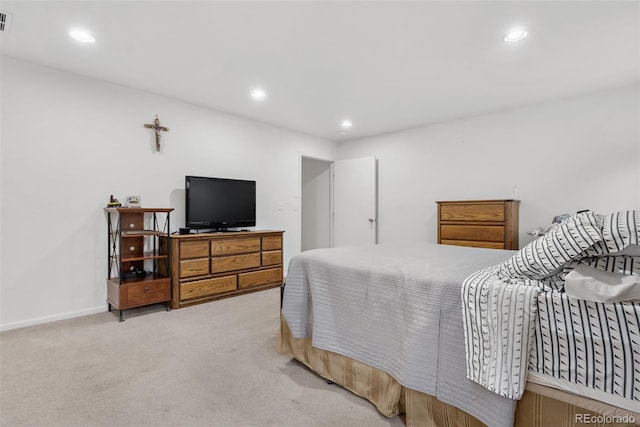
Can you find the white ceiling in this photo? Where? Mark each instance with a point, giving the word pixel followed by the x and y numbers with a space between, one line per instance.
pixel 385 65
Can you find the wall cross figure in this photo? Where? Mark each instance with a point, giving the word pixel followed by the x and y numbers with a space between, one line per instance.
pixel 156 126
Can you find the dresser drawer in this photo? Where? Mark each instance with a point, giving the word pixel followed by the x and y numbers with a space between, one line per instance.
pixel 262 277
pixel 235 262
pixel 194 267
pixel 137 294
pixel 203 288
pixel 474 243
pixel 480 223
pixel 488 233
pixel 194 249
pixel 472 212
pixel 272 258
pixel 270 243
pixel 235 246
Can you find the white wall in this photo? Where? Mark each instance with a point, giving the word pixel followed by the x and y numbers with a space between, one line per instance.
pixel 563 156
pixel 68 142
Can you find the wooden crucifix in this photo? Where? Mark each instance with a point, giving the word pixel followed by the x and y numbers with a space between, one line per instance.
pixel 156 126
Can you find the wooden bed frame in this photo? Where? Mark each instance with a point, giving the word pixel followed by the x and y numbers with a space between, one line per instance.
pixel 540 406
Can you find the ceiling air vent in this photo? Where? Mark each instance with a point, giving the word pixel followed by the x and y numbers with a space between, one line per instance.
pixel 5 20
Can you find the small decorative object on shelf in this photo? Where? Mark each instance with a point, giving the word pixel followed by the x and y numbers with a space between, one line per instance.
pixel 537 232
pixel 113 202
pixel 139 267
pixel 133 201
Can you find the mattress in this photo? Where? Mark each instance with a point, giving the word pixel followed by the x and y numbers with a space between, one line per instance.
pixel 397 308
pixel 617 406
pixel 588 348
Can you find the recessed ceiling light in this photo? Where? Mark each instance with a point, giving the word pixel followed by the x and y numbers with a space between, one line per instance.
pixel 258 94
pixel 346 124
pixel 82 36
pixel 515 35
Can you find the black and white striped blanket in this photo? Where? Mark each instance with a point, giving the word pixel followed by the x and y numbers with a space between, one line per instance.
pixel 518 317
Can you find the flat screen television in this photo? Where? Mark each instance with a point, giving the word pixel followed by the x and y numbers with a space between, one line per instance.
pixel 219 203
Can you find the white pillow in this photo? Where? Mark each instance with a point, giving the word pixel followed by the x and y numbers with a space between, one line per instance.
pixel 591 284
pixel 631 250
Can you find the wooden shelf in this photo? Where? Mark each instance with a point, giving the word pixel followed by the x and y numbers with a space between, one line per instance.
pixel 132 230
pixel 139 233
pixel 138 210
pixel 150 278
pixel 148 255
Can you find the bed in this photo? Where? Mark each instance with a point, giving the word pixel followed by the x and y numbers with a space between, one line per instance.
pixel 406 327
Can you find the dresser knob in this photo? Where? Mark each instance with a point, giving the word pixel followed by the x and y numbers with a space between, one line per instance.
pixel 146 290
pixel 132 248
pixel 132 226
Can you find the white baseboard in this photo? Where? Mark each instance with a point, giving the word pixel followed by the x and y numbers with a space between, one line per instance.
pixel 47 319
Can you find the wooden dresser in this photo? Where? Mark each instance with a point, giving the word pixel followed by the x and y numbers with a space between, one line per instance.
pixel 479 223
pixel 209 266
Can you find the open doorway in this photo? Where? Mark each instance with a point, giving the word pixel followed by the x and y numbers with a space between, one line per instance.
pixel 315 203
pixel 338 202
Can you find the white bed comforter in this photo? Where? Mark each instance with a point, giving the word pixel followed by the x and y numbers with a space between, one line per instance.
pixel 396 308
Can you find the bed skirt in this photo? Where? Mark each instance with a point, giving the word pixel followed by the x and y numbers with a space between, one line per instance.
pixel 539 406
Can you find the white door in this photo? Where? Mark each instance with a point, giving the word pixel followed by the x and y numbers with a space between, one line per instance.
pixel 355 202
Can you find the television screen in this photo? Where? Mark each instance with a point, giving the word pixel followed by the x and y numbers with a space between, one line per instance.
pixel 219 203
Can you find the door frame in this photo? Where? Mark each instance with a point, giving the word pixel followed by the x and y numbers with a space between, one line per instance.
pixel 331 198
pixel 299 196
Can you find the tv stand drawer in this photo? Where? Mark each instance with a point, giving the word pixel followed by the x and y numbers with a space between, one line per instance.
pixel 194 249
pixel 270 243
pixel 262 277
pixel 236 245
pixel 203 288
pixel 235 262
pixel 271 258
pixel 194 267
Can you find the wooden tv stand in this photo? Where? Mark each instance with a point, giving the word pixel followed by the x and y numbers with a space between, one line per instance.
pixel 210 266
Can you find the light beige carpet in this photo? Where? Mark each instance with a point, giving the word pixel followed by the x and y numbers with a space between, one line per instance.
pixel 213 364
